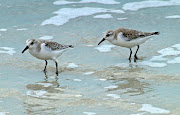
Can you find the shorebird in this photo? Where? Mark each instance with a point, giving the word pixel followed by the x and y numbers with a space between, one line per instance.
pixel 45 50
pixel 127 38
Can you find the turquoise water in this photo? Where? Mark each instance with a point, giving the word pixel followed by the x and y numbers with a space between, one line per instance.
pixel 91 81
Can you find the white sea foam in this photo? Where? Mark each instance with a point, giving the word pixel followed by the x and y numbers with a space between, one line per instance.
pixel 78 95
pixel 146 63
pixel 152 64
pixel 77 80
pixel 174 16
pixel 90 45
pixel 21 29
pixel 63 2
pixel 165 54
pixel 105 48
pixel 37 93
pixel 115 11
pixel 88 73
pixel 111 87
pixel 115 96
pixel 158 58
pixel 65 14
pixel 72 65
pixel 89 113
pixel 147 4
pixel 138 113
pixel 175 60
pixel 45 84
pixel 151 109
pixel 169 52
pixel 46 37
pixel 122 18
pixel 123 65
pixel 7 50
pixel 3 30
pixel 104 16
pixel 2 113
pixel 176 46
pixel 103 79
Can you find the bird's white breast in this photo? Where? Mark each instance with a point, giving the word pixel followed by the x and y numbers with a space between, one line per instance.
pixel 45 53
pixel 123 41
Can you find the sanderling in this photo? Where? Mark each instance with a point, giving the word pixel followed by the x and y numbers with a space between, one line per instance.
pixel 128 38
pixel 45 50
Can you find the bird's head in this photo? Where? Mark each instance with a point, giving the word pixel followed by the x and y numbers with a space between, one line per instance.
pixel 108 36
pixel 30 44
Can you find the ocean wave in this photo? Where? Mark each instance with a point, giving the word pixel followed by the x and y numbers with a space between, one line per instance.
pixel 37 93
pixel 88 73
pixel 133 6
pixel 122 18
pixel 2 113
pixel 174 16
pixel 45 84
pixel 175 60
pixel 115 96
pixel 77 80
pixel 111 87
pixel 46 37
pixel 7 50
pixel 3 30
pixel 151 109
pixel 72 66
pixel 164 53
pixel 105 48
pixel 89 113
pixel 63 2
pixel 65 14
pixel 103 16
pixel 21 29
pixel 152 64
pixel 168 55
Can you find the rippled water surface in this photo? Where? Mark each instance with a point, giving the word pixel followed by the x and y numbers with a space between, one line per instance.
pixel 93 79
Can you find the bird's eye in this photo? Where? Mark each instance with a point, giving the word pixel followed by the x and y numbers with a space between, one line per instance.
pixel 107 35
pixel 32 43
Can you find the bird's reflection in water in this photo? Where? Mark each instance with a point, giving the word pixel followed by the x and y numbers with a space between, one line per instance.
pixel 49 85
pixel 47 77
pixel 41 93
pixel 131 86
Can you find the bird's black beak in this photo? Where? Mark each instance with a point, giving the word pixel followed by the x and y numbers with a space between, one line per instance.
pixel 101 41
pixel 25 49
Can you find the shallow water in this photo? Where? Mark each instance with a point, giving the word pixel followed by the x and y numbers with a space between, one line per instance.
pixel 93 79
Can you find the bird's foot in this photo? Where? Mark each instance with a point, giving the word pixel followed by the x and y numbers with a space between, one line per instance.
pixel 44 71
pixel 57 73
pixel 135 57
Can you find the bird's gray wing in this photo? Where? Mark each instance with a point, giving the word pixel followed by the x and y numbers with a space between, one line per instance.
pixel 129 34
pixel 56 46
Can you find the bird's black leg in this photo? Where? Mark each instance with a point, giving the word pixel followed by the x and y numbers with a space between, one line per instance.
pixel 45 66
pixel 135 56
pixel 56 67
pixel 130 54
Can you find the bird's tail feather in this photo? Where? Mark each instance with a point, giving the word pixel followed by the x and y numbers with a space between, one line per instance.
pixel 70 46
pixel 155 33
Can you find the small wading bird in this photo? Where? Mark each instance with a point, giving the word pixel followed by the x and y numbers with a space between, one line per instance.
pixel 45 50
pixel 128 38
